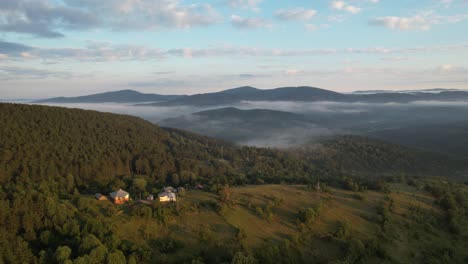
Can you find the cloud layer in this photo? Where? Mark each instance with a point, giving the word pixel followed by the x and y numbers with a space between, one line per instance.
pixel 296 14
pixel 105 51
pixel 422 21
pixel 249 22
pixel 46 18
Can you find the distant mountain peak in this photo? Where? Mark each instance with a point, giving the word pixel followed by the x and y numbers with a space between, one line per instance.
pixel 241 89
pixel 125 91
pixel 120 96
pixel 433 90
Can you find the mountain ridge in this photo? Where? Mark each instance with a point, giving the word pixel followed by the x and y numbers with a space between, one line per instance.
pixel 249 93
pixel 120 96
pixel 308 94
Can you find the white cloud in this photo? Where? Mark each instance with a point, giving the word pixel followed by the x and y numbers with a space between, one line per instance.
pixel 403 23
pixel 338 5
pixel 48 18
pixel 394 59
pixel 447 67
pixel 422 21
pixel 353 9
pixel 9 73
pixel 27 55
pixel 249 22
pixel 311 27
pixel 244 3
pixel 342 5
pixel 105 51
pixel 446 3
pixel 292 72
pixel 450 70
pixel 295 14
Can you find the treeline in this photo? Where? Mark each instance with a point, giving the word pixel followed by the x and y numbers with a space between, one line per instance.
pixel 361 155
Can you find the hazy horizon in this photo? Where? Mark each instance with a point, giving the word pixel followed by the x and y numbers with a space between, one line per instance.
pixel 54 48
pixel 149 91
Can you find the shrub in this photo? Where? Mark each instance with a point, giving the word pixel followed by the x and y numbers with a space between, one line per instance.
pixel 359 196
pixel 343 231
pixel 308 216
pixel 168 245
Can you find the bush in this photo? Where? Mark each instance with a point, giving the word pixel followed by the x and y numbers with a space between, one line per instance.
pixel 343 231
pixel 308 216
pixel 359 196
pixel 168 245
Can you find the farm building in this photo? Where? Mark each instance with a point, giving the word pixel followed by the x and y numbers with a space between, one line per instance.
pixel 100 197
pixel 120 196
pixel 169 189
pixel 167 197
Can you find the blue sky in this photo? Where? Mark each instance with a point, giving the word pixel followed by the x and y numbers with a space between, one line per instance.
pixel 75 47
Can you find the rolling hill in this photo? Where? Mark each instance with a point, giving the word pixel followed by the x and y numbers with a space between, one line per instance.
pixel 123 96
pixel 309 94
pixel 240 94
pixel 247 93
pixel 259 127
pixel 53 160
pixel 448 138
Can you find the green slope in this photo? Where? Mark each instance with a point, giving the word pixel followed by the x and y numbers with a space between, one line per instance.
pixel 53 160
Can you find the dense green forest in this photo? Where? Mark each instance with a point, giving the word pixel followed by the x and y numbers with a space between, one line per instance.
pixel 53 159
pixel 95 149
pixel 374 157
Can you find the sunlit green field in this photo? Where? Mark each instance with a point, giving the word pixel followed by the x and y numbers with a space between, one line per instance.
pixel 254 217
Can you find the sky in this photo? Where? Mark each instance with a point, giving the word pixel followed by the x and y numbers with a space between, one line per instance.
pixel 54 48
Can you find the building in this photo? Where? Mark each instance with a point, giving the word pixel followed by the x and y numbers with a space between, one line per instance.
pixel 150 197
pixel 100 197
pixel 169 189
pixel 120 196
pixel 167 197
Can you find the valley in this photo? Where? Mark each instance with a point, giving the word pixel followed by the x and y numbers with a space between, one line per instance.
pixel 344 198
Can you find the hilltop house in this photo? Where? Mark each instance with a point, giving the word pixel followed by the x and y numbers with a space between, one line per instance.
pixel 169 189
pixel 100 197
pixel 167 197
pixel 120 196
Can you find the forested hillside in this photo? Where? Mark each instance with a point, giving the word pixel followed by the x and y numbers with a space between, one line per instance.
pixel 93 150
pixel 371 156
pixel 428 136
pixel 52 160
pixel 42 143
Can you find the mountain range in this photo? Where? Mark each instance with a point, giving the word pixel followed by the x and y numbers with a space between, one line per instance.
pixel 307 94
pixel 122 96
pixel 247 93
pixel 434 90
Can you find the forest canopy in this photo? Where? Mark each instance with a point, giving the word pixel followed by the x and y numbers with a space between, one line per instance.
pixel 50 157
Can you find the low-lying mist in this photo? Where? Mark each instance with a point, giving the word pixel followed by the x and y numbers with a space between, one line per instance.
pixel 152 114
pixel 314 119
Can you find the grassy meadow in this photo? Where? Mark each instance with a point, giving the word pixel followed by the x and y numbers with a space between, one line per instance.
pixel 400 225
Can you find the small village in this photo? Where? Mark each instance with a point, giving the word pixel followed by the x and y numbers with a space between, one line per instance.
pixel 166 195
